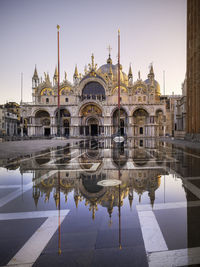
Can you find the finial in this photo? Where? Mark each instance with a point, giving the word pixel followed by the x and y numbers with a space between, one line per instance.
pixel 118 31
pixel 151 72
pixel 139 75
pixel 85 69
pixel 109 60
pixel 65 73
pixel 58 27
pixel 130 74
pixel 35 75
pixel 76 72
pixel 92 60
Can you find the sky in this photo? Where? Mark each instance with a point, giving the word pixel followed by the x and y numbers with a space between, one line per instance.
pixel 150 31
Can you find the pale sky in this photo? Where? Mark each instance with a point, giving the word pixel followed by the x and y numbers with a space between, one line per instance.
pixel 151 31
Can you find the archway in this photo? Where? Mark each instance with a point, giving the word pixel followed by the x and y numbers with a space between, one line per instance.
pixel 64 121
pixel 140 121
pixel 123 121
pixel 91 116
pixel 42 122
pixel 93 125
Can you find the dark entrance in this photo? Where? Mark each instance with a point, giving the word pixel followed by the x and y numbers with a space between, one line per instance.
pixel 46 131
pixel 67 131
pixel 94 129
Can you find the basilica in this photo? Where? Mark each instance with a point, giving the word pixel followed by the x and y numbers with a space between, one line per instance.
pixel 89 106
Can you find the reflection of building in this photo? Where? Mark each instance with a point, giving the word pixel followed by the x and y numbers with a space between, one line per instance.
pixel 193 67
pixel 89 105
pixel 140 173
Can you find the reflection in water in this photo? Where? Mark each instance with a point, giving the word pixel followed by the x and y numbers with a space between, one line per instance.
pixel 148 175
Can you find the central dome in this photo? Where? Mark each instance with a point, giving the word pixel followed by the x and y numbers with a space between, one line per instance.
pixel 105 69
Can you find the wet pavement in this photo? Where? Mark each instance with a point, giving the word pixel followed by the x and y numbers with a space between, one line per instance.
pixel 94 203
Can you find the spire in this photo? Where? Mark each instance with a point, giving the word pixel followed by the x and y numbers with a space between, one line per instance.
pixel 35 75
pixel 139 75
pixel 109 60
pixel 130 74
pixel 151 72
pixel 92 67
pixel 65 74
pixel 76 72
pixel 55 77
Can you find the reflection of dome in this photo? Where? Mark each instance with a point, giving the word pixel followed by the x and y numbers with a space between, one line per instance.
pixel 105 69
pixel 91 185
pixel 154 83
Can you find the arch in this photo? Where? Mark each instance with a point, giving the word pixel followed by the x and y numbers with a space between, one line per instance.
pixel 93 90
pixel 65 120
pixel 42 122
pixel 140 112
pixel 91 116
pixel 63 112
pixel 140 121
pixel 123 121
pixel 90 109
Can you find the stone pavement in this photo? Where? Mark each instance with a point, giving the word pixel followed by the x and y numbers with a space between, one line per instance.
pixel 14 149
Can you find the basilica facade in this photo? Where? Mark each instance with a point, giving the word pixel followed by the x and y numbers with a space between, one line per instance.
pixel 89 106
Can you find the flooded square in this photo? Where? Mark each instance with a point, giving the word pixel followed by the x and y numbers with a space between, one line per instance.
pixel 94 202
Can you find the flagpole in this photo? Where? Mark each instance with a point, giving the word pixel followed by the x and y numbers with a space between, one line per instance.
pixel 119 82
pixel 58 132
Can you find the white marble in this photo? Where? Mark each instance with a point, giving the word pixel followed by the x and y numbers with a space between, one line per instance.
pixel 32 249
pixel 195 190
pixel 152 235
pixel 32 214
pixel 182 257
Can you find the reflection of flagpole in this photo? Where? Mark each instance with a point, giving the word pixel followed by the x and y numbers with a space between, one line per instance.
pixel 59 227
pixel 119 208
pixel 164 188
pixel 58 28
pixel 119 80
pixel 22 182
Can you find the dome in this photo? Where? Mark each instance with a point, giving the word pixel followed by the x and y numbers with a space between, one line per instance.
pixel 153 82
pixel 105 69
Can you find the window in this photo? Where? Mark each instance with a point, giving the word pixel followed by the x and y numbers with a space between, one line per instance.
pixel 47 100
pixel 66 99
pixel 141 130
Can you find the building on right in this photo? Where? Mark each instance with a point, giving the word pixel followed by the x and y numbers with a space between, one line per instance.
pixel 193 69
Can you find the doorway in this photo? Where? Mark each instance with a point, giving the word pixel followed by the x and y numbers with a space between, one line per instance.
pixel 94 129
pixel 47 131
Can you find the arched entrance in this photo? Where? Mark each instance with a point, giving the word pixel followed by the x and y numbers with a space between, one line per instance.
pixel 64 121
pixel 140 121
pixel 91 116
pixel 123 121
pixel 93 125
pixel 42 122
